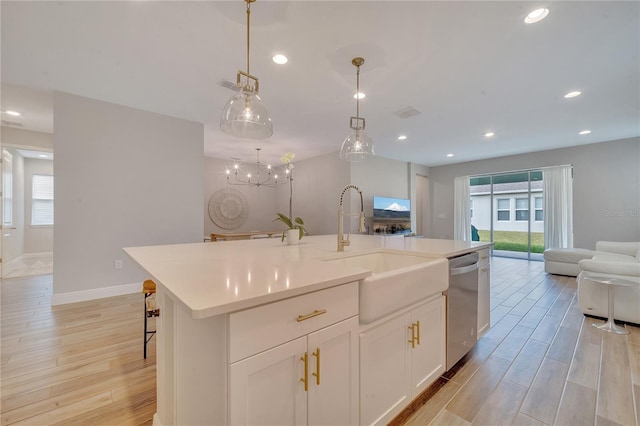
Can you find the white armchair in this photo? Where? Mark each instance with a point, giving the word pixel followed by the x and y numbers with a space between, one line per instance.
pixel 612 260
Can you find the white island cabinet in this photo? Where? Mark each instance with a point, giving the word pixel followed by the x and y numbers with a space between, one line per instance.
pixel 400 356
pixel 256 332
pixel 311 375
pixel 484 296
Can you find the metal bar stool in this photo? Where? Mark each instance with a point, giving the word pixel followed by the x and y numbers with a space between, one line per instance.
pixel 150 310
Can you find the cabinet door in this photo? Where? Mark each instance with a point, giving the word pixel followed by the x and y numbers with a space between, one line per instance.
pixel 333 374
pixel 484 299
pixel 427 356
pixel 265 389
pixel 384 371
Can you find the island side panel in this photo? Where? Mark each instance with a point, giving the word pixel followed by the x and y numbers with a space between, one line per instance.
pixel 201 369
pixel 191 367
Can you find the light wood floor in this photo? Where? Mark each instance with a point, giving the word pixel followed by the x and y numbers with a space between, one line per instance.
pixel 541 363
pixel 77 364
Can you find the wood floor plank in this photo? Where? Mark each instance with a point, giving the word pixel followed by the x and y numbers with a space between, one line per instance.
pixel 546 329
pixel 578 406
pixel 445 391
pixel 503 405
pixel 585 366
pixel 615 396
pixel 564 344
pixel 544 394
pixel 525 366
pixel 468 402
pixel 510 347
pixel 445 417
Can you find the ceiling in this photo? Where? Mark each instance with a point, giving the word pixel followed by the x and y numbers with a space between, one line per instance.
pixel 468 67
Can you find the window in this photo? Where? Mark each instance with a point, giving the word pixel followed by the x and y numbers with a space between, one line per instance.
pixel 522 209
pixel 504 209
pixel 42 200
pixel 539 212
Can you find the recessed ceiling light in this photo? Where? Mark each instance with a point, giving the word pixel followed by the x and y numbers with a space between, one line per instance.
pixel 573 94
pixel 359 95
pixel 488 134
pixel 536 16
pixel 449 155
pixel 14 113
pixel 402 137
pixel 280 59
pixel 585 132
pixel 43 155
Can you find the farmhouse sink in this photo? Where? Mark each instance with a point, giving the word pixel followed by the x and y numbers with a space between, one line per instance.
pixel 398 280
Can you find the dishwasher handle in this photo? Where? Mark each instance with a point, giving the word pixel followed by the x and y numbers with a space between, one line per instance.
pixel 463 269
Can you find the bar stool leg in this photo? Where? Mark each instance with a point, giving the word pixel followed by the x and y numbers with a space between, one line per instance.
pixel 610 326
pixel 145 326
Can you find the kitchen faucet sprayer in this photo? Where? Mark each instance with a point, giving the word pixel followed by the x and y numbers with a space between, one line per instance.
pixel 341 240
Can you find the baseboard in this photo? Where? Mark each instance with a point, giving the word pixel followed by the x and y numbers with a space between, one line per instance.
pixel 95 293
pixel 44 253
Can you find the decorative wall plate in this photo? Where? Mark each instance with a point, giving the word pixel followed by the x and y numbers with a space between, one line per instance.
pixel 228 208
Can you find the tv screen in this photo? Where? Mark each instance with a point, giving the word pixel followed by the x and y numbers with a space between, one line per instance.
pixel 391 208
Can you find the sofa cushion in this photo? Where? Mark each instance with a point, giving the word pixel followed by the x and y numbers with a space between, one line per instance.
pixel 628 248
pixel 604 265
pixel 567 255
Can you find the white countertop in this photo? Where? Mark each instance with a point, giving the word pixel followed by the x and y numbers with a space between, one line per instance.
pixel 221 277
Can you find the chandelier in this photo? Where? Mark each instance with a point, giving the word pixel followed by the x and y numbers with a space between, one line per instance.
pixel 260 176
pixel 358 145
pixel 244 115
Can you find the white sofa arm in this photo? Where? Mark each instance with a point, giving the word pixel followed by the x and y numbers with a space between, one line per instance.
pixel 630 249
pixel 631 269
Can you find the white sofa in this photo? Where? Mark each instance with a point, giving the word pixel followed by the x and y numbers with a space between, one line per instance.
pixel 611 259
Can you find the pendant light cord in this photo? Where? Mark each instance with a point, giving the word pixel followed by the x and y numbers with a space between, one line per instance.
pixel 248 34
pixel 358 93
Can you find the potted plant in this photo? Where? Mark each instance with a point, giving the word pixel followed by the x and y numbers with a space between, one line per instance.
pixel 292 224
pixel 297 225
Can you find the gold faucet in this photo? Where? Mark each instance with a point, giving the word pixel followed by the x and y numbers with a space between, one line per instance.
pixel 341 240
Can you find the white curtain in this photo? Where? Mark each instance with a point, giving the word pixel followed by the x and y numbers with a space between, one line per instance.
pixel 462 209
pixel 558 207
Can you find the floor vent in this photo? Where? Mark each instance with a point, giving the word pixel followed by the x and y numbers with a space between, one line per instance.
pixel 11 123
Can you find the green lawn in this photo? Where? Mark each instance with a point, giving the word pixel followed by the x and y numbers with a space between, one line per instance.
pixel 514 241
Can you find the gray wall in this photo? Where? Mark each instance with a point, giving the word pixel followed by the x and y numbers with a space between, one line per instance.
pixel 123 177
pixel 606 184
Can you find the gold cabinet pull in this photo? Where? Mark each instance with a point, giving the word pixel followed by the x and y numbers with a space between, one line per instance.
pixel 413 336
pixel 315 313
pixel 418 327
pixel 305 379
pixel 316 353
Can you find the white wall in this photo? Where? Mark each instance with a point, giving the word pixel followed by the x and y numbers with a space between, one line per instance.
pixel 37 239
pixel 606 188
pixel 123 177
pixel 317 185
pixel 26 139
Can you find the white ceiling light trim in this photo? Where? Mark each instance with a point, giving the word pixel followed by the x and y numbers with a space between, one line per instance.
pixel 536 16
pixel 280 59
pixel 489 134
pixel 573 94
pixel 585 132
pixel 13 113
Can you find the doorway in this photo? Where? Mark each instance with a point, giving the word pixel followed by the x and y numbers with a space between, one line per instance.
pixel 506 209
pixel 27 212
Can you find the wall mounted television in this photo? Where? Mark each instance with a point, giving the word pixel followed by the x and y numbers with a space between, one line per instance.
pixel 391 215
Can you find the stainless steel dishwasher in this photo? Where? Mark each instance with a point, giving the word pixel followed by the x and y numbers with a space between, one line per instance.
pixel 462 306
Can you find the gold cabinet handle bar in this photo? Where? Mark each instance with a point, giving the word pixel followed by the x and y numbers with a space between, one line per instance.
pixel 315 313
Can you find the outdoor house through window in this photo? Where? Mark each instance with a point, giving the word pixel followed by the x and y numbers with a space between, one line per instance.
pixel 508 211
pixel 42 200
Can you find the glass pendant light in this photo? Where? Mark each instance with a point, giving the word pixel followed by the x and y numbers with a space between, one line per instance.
pixel 358 145
pixel 245 115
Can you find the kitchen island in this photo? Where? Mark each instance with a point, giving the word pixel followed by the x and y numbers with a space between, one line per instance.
pixel 244 325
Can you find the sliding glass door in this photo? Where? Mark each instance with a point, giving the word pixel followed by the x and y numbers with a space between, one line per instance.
pixel 506 209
